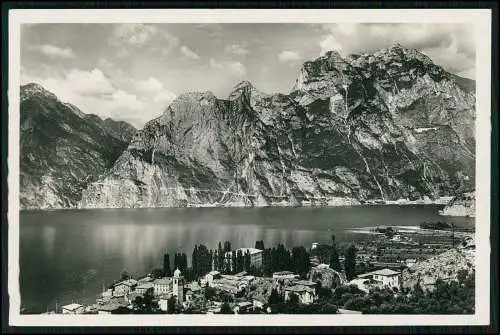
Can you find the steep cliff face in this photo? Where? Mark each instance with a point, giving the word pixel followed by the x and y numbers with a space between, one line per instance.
pixel 383 126
pixel 62 149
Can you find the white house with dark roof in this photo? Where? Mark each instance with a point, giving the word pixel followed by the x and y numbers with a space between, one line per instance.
pixel 385 277
pixel 123 287
pixel 144 287
pixel 162 286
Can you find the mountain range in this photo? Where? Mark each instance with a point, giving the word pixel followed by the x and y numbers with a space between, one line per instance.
pixel 62 149
pixel 384 126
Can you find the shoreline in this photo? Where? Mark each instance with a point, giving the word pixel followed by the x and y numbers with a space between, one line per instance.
pixel 348 202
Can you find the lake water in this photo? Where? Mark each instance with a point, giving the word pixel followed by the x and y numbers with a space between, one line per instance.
pixel 68 255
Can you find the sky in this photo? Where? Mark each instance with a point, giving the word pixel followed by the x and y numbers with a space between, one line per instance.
pixel 132 72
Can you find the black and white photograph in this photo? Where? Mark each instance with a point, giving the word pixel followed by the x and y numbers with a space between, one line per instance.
pixel 237 167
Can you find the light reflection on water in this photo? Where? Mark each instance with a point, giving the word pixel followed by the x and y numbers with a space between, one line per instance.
pixel 68 255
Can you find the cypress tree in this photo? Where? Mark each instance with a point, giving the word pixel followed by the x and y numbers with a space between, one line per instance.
pixel 334 259
pixel 350 262
pixel 166 265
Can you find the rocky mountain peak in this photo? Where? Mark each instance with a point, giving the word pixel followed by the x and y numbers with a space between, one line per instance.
pixel 35 89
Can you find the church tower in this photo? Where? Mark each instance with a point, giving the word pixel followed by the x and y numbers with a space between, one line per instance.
pixel 178 286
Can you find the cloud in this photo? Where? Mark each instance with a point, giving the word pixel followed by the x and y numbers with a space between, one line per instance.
pixel 150 85
pixel 237 49
pixel 88 82
pixel 236 68
pixel 92 92
pixel 437 40
pixel 54 51
pixel 288 56
pixel 329 43
pixel 188 53
pixel 164 97
pixel 135 34
pixel 121 99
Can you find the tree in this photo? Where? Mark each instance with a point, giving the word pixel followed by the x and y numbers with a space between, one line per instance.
pixel 145 304
pixel 226 309
pixel 334 259
pixel 233 261
pixel 274 298
pixel 227 246
pixel 166 265
pixel 210 293
pixel 171 305
pixel 266 262
pixel 259 245
pixel 350 262
pixel 125 275
pixel 300 260
pixel 322 251
pixel 247 260
pixel 333 239
pixel 239 261
pixel 294 299
pixel 157 273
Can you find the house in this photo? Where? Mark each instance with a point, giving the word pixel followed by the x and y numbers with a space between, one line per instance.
pixel 144 287
pixel 364 284
pixel 123 287
pixel 385 277
pixel 284 275
pixel 255 256
pixel 242 306
pixel 146 279
pixel 410 262
pixel 307 283
pixel 259 302
pixel 162 286
pixel 110 308
pixel 306 294
pixel 73 309
pixel 209 277
pixel 163 301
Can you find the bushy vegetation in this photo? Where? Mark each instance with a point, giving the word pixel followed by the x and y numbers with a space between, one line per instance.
pixel 454 297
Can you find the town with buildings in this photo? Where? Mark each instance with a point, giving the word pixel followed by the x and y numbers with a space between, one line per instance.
pixel 332 278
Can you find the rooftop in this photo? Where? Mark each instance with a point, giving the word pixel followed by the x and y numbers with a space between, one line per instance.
pixel 110 307
pixel 305 283
pixel 382 272
pixel 72 307
pixel 162 281
pixel 298 288
pixel 143 286
pixel 282 273
pixel 128 282
pixel 213 273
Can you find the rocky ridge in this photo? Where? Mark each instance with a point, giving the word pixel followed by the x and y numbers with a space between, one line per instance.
pixel 387 125
pixel 446 266
pixel 461 205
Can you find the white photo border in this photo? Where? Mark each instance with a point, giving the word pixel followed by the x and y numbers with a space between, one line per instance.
pixel 479 18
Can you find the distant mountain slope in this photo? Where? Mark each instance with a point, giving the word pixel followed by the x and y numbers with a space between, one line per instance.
pixel 385 126
pixel 62 149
